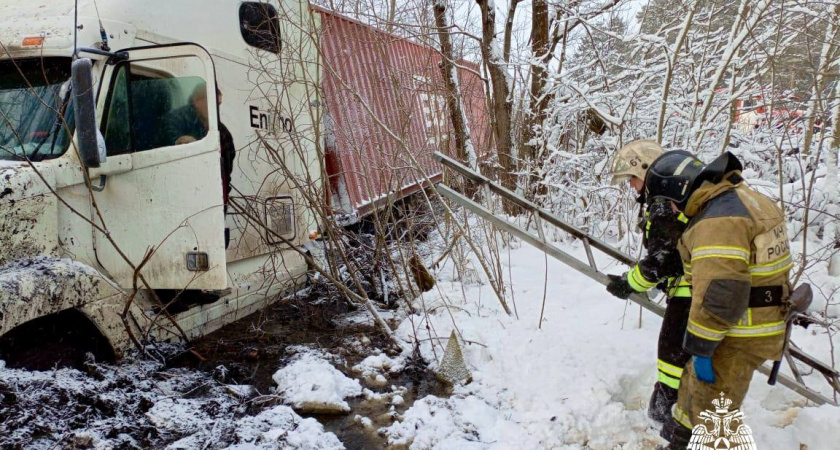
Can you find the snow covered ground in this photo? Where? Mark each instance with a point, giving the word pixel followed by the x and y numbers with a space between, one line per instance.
pixel 580 382
pixel 140 404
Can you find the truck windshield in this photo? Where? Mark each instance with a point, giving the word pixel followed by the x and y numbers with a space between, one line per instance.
pixel 36 119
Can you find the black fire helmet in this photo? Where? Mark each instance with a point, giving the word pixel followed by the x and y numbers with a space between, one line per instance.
pixel 673 176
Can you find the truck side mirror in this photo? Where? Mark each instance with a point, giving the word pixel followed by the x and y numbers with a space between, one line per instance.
pixel 84 107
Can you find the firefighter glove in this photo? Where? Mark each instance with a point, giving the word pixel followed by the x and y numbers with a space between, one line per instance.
pixel 703 369
pixel 619 287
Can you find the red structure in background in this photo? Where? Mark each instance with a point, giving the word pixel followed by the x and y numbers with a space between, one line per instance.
pixel 385 99
pixel 753 111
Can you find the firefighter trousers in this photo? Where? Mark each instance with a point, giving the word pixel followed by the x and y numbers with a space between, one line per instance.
pixel 734 370
pixel 671 358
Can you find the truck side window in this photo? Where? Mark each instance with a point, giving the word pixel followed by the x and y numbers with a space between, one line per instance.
pixel 117 131
pixel 148 110
pixel 260 26
pixel 168 111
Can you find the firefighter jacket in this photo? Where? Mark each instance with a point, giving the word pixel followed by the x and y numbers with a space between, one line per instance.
pixel 662 230
pixel 736 255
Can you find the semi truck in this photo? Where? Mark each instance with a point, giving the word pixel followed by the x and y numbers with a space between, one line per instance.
pixel 114 192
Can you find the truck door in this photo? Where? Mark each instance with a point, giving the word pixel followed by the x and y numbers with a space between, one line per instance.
pixel 162 195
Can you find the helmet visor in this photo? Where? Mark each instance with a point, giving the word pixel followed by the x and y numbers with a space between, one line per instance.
pixel 670 188
pixel 621 170
pixel 620 164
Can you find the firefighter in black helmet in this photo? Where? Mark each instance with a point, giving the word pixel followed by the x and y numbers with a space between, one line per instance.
pixel 735 252
pixel 661 266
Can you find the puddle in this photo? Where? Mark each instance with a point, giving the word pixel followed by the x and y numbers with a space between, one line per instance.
pixel 252 349
pixel 357 435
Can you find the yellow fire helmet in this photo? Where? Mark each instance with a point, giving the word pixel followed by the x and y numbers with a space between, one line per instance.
pixel 634 159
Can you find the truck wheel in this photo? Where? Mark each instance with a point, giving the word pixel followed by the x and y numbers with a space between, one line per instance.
pixel 58 340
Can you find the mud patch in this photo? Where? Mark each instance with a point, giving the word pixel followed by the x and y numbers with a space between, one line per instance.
pixel 140 404
pixel 105 403
pixel 27 227
pixel 251 350
pixel 33 288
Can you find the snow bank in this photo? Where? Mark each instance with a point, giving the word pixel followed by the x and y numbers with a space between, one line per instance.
pixel 458 422
pixel 817 427
pixel 309 383
pixel 275 428
pixel 280 427
pixel 582 381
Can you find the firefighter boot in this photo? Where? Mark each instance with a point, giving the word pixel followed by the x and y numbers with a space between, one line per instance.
pixel 661 401
pixel 677 435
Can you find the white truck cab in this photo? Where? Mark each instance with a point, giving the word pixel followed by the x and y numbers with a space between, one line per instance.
pixel 81 230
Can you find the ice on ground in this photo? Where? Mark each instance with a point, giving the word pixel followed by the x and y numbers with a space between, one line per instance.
pixel 310 383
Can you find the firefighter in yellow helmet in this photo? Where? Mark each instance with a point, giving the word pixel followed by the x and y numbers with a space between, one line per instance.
pixel 735 252
pixel 661 266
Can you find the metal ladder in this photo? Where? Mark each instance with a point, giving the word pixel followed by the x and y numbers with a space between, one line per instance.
pixel 588 268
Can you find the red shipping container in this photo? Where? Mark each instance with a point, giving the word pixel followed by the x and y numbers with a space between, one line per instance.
pixel 385 102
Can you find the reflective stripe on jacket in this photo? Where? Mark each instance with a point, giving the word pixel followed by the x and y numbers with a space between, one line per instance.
pixel 735 252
